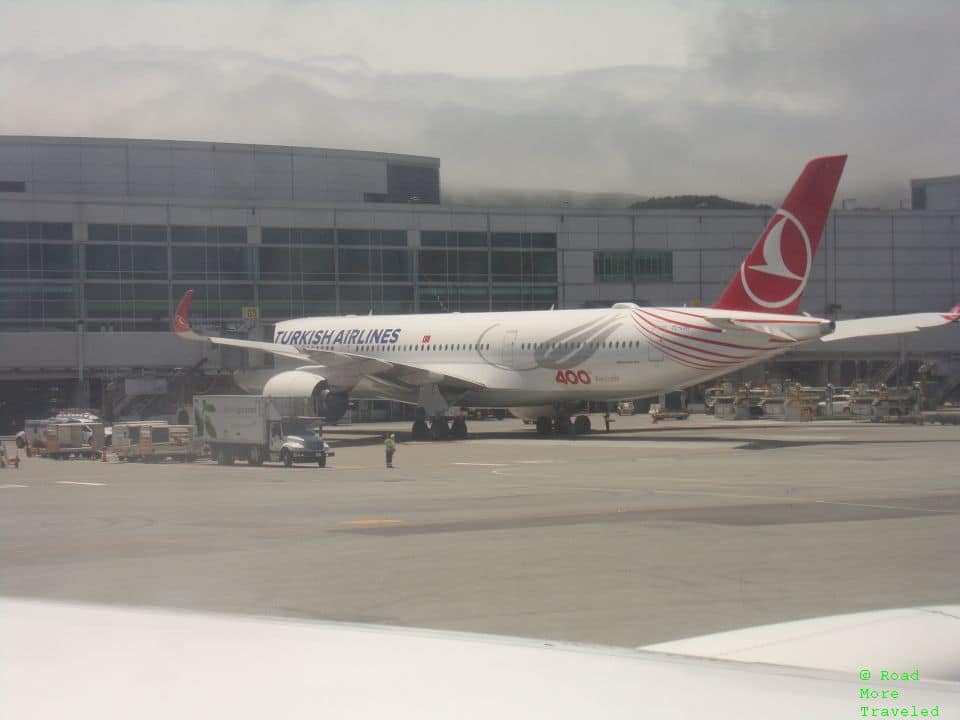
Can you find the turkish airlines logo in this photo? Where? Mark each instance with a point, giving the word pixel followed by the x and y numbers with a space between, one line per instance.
pixel 180 322
pixel 776 272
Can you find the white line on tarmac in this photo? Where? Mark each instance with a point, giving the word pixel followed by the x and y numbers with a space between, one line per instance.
pixel 77 482
pixel 11 485
pixel 482 464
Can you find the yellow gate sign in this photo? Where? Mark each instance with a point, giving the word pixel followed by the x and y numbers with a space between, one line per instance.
pixel 251 313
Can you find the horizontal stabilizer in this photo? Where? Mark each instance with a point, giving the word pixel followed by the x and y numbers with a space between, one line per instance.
pixel 762 329
pixel 890 324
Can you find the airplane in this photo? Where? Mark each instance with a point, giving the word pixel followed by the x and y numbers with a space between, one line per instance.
pixel 545 364
pixel 87 661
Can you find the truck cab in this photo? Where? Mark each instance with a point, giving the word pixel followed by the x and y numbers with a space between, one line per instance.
pixel 298 440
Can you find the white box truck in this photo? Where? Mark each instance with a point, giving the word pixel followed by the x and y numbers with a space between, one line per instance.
pixel 256 429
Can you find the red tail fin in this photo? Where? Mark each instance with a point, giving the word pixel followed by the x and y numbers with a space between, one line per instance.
pixel 181 318
pixel 774 274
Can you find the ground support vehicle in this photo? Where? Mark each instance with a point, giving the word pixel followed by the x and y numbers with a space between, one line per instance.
pixel 126 437
pixel 73 439
pixel 658 413
pixel 257 429
pixel 155 441
pixel 168 441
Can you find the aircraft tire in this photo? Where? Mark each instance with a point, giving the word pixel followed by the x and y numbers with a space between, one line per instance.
pixel 420 431
pixel 581 425
pixel 440 429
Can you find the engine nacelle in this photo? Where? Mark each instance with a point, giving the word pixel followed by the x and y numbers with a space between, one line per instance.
pixel 308 393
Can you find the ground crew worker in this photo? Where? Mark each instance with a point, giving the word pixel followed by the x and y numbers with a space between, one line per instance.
pixel 607 420
pixel 390 446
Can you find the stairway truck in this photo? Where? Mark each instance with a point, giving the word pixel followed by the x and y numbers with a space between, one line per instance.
pixel 257 429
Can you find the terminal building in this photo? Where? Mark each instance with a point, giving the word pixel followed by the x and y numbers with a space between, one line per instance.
pixel 99 239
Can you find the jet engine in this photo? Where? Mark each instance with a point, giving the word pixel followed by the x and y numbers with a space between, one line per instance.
pixel 315 396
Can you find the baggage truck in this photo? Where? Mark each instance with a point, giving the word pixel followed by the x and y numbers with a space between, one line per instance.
pixel 257 429
pixel 35 433
pixel 126 438
pixel 161 441
pixel 67 439
pixel 155 441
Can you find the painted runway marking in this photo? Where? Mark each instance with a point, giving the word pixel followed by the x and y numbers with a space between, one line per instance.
pixel 371 522
pixel 11 485
pixel 77 482
pixel 535 462
pixel 482 464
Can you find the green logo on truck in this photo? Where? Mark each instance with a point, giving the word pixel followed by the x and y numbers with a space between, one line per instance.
pixel 202 419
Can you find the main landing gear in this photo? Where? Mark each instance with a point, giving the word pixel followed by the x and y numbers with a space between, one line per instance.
pixel 440 428
pixel 563 425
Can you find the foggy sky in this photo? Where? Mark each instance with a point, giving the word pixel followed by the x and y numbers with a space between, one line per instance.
pixel 654 98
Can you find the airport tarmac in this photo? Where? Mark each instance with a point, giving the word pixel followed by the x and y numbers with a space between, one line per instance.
pixel 647 534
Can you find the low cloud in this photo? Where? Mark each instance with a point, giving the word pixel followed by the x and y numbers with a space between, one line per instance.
pixel 763 93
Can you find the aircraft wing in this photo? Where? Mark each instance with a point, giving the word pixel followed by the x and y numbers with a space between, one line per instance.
pixel 338 367
pixel 76 661
pixel 922 637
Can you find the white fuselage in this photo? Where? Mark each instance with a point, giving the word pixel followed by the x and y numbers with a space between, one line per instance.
pixel 543 357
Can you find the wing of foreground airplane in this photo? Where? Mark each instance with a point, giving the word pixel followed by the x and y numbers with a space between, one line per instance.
pixel 891 325
pixel 923 637
pixel 334 364
pixel 60 660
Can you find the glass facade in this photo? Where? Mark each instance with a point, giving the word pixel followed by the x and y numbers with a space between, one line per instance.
pixel 129 277
pixel 39 268
pixel 628 266
pixel 476 271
